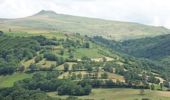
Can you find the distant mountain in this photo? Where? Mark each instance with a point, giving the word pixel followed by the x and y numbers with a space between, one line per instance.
pixel 49 21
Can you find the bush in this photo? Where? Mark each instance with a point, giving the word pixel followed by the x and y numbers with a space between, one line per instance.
pixel 38 58
pixel 50 56
pixel 74 89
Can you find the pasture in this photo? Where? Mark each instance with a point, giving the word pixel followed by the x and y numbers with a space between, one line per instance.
pixel 121 94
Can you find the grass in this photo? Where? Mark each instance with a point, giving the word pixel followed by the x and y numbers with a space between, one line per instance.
pixel 116 77
pixel 86 26
pixel 45 63
pixel 57 35
pixel 28 62
pixel 91 53
pixel 8 80
pixel 61 67
pixel 121 94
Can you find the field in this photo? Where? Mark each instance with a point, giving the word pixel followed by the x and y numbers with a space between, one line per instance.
pixel 121 94
pixel 8 80
pixel 91 53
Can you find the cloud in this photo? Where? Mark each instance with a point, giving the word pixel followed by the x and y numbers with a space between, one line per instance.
pixel 151 12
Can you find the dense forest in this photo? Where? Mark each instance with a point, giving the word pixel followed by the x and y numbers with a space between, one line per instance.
pixel 150 47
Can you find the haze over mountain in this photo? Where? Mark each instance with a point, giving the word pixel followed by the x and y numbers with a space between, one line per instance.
pixel 49 21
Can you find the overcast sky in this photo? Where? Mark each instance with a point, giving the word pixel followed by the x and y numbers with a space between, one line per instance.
pixel 151 12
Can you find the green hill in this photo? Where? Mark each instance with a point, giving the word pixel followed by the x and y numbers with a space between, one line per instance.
pixel 49 21
pixel 153 48
pixel 63 63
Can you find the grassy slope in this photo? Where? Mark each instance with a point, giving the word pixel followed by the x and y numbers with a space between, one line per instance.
pixel 8 81
pixel 46 22
pixel 121 94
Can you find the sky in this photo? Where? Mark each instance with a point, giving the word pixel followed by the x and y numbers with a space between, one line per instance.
pixel 150 12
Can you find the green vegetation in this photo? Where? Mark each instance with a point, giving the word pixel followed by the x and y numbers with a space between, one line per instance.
pixel 121 94
pixel 92 53
pixel 71 65
pixel 9 80
pixel 154 51
pixel 40 23
pixel 22 94
pixel 152 48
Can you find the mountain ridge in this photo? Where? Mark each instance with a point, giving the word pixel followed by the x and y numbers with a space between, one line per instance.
pixel 50 21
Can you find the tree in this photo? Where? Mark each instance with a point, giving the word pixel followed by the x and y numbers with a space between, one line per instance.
pixel 74 67
pixel 73 76
pixel 109 83
pixel 7 70
pixel 79 76
pixel 161 86
pixel 71 55
pixel 30 55
pixel 52 67
pixel 88 67
pixel 38 58
pixel 152 87
pixel 1 33
pixel 62 52
pixel 9 29
pixel 104 76
pixel 87 45
pixel 87 89
pixel 104 59
pixel 60 61
pixel 50 56
pixel 70 88
pixel 32 67
pixel 21 68
pixel 66 67
pixel 108 68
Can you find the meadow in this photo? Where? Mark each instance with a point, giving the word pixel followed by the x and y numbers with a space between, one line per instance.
pixel 121 94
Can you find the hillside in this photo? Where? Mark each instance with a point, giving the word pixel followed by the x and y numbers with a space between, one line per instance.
pixel 49 21
pixel 153 48
pixel 59 64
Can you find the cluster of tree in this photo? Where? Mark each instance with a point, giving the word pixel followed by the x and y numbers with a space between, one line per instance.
pixel 152 79
pixel 98 83
pixel 40 81
pixel 53 57
pixel 132 76
pixel 15 49
pixel 86 45
pixel 70 88
pixel 49 82
pixel 68 43
pixel 17 93
pixel 50 56
pixel 108 67
pixel 71 43
pixel 44 41
pixel 7 69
